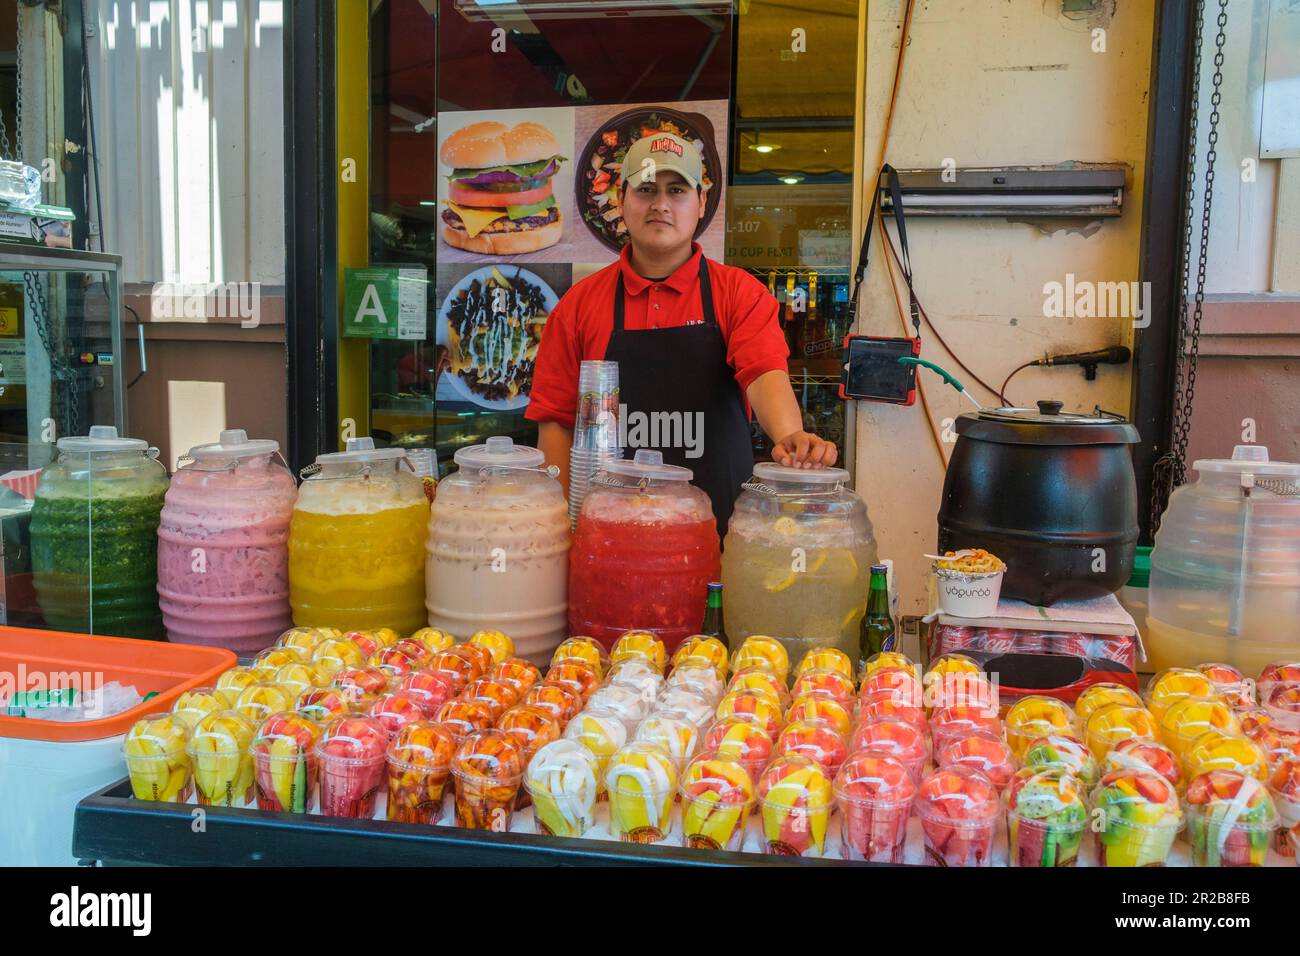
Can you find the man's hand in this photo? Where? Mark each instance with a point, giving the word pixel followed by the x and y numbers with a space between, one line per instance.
pixel 804 450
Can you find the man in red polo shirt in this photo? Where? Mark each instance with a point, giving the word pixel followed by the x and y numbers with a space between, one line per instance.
pixel 690 336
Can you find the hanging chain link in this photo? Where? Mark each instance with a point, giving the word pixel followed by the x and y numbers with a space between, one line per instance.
pixel 63 403
pixel 18 92
pixel 1170 469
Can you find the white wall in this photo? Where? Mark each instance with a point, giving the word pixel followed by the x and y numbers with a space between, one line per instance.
pixel 188 99
pixel 989 84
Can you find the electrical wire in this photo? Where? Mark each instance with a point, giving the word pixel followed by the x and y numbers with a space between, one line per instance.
pixel 139 327
pixel 1002 396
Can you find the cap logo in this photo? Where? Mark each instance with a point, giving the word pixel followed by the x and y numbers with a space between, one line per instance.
pixel 665 145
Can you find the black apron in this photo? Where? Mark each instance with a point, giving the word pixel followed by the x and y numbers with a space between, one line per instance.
pixel 685 369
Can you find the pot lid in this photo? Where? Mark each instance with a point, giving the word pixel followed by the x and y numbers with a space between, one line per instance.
pixel 235 443
pixel 1047 424
pixel 647 463
pixel 499 451
pixel 102 438
pixel 1248 458
pixel 771 471
pixel 361 449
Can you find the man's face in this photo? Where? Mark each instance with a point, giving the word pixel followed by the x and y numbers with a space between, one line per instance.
pixel 661 213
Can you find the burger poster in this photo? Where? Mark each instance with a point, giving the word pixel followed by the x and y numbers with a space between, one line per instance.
pixel 528 201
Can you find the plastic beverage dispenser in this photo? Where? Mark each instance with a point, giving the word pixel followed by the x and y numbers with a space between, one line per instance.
pixel 797 561
pixel 95 536
pixel 356 541
pixel 1225 571
pixel 223 545
pixel 644 551
pixel 498 549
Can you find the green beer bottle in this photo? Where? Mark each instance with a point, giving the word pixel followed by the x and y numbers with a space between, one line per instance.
pixel 878 632
pixel 713 625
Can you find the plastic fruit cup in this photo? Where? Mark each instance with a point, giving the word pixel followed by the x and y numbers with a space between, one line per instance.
pixel 887 704
pixel 284 763
pixel 676 736
pixel 691 704
pixel 698 679
pixel 1230 819
pixel 581 648
pixel 560 701
pixel 1283 704
pixel 531 728
pixel 220 758
pixel 488 770
pixel 1036 716
pixel 433 640
pixel 1046 817
pixel 891 737
pixel 157 761
pixel 757 678
pixel 630 705
pixel 193 705
pixel 889 659
pixel 762 651
pixel 1139 815
pixel 637 674
pixel 716 797
pixel 899 683
pixel 641 780
pixel 1219 751
pixel 1114 723
pixel 795 801
pixel 825 658
pixel 641 645
pixel 821 708
pixel 739 739
pixel 981 751
pixel 499 645
pixel 579 676
pixel 1284 785
pixel 429 689
pixel 322 704
pixel 699 650
pixel 395 711
pixel 1171 685
pixel 1186 720
pixel 419 765
pixel 351 756
pixel 1138 754
pixel 818 741
pixel 562 782
pixel 958 807
pixel 517 672
pixel 875 795
pixel 1064 752
pixel 826 682
pixel 958 721
pixel 1102 695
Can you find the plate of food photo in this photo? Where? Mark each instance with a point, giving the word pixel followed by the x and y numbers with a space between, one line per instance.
pixel 491 321
pixel 596 189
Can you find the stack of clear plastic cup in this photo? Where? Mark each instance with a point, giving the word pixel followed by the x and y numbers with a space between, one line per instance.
pixel 595 428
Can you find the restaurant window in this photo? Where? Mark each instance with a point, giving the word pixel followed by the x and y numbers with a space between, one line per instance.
pixel 764 89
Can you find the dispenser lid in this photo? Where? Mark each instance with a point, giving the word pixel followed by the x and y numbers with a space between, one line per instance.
pixel 1248 458
pixel 361 449
pixel 235 443
pixel 771 471
pixel 647 463
pixel 102 438
pixel 499 451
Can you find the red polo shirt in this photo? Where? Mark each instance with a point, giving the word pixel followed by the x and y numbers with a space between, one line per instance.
pixel 580 325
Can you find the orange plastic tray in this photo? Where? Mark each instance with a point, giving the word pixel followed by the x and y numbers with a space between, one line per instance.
pixel 151 666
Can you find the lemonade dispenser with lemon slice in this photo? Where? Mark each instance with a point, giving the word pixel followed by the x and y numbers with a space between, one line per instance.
pixel 796 562
pixel 356 541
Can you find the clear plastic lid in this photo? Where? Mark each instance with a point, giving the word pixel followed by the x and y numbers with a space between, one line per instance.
pixel 489 754
pixel 890 737
pixel 875 780
pixel 1248 458
pixel 499 451
pixel 795 782
pixel 649 465
pixel 815 739
pixel 360 450
pixel 1138 753
pixel 103 439
pixel 641 769
pixel 423 745
pixel 982 751
pixel 713 778
pixel 958 793
pixel 235 444
pixel 564 767
pixel 770 471
pixel 1138 797
pixel 735 738
pixel 353 737
pixel 1051 795
pixel 1234 799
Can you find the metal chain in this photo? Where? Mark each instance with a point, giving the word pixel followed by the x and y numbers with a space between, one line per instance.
pixel 1170 469
pixel 18 91
pixel 63 403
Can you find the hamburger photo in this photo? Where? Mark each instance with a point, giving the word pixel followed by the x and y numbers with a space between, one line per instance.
pixel 499 190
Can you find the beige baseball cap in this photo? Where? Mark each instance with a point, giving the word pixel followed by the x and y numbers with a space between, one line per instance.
pixel 649 154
